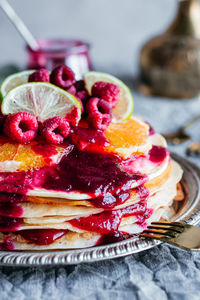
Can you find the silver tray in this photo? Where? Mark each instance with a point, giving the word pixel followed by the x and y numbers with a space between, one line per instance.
pixel 189 211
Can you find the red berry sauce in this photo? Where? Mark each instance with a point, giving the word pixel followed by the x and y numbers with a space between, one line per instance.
pixel 10 224
pixel 93 173
pixel 157 154
pixel 7 244
pixel 108 222
pixel 42 236
pixel 44 149
pixel 109 201
pixel 9 205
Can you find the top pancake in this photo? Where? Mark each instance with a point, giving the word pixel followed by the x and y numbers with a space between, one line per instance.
pixel 125 139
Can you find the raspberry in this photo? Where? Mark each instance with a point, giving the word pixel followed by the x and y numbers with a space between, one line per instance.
pixel 99 113
pixel 63 77
pixel 83 95
pixel 73 116
pixel 21 127
pixel 54 130
pixel 107 91
pixel 71 90
pixel 41 75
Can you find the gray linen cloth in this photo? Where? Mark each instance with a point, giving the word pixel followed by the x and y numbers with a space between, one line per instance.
pixel 163 272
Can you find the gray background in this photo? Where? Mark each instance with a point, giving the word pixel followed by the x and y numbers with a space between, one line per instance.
pixel 116 30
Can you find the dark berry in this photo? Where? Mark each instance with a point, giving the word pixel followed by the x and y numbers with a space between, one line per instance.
pixel 21 127
pixel 99 113
pixel 41 75
pixel 107 91
pixel 63 77
pixel 54 130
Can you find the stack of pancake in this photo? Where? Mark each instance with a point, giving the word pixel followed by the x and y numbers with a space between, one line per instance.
pixel 61 197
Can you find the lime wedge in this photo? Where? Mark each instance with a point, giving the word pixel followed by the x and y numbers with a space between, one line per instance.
pixel 13 81
pixel 124 108
pixel 43 100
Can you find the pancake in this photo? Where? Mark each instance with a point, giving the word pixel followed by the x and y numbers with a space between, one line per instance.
pixel 158 199
pixel 71 208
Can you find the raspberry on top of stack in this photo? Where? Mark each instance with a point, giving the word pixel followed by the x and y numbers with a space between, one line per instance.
pixel 76 168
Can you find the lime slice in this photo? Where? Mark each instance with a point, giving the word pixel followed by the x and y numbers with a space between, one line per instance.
pixel 43 100
pixel 124 108
pixel 13 81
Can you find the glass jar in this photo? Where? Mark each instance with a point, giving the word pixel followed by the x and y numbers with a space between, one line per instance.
pixel 51 53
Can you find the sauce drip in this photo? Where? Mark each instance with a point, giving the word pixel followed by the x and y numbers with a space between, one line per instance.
pixel 44 149
pixel 90 139
pixel 9 205
pixel 42 236
pixel 109 201
pixel 108 222
pixel 8 224
pixel 7 244
pixel 157 154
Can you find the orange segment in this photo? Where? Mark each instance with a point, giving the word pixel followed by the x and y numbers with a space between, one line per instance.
pixel 127 137
pixel 28 159
pixel 25 155
pixel 8 151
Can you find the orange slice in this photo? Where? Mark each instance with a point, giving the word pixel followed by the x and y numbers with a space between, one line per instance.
pixel 8 151
pixel 24 158
pixel 128 137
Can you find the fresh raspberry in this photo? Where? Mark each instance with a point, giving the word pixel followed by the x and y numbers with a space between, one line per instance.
pixel 83 95
pixel 41 75
pixel 107 91
pixel 71 90
pixel 21 127
pixel 73 116
pixel 54 130
pixel 99 113
pixel 63 77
